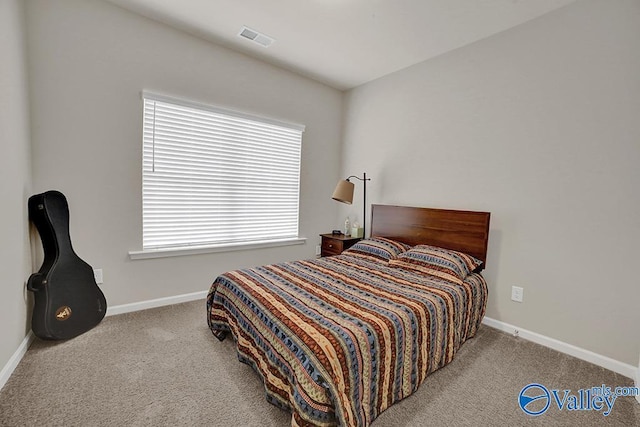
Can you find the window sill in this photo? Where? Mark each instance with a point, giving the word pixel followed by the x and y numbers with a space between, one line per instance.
pixel 196 250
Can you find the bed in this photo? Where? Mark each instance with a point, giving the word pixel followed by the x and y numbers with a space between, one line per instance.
pixel 337 340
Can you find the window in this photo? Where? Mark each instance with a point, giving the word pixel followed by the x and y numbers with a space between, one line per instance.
pixel 215 177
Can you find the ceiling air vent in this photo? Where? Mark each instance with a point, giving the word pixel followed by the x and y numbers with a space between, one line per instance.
pixel 254 36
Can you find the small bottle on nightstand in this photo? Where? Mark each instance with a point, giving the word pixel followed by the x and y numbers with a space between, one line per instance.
pixel 347 227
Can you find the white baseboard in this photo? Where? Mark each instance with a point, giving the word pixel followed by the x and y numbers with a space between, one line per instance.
pixel 159 302
pixel 15 359
pixel 628 371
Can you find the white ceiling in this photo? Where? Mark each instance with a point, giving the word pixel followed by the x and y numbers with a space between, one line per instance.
pixel 344 43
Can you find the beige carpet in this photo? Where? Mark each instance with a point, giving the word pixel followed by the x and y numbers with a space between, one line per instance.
pixel 163 367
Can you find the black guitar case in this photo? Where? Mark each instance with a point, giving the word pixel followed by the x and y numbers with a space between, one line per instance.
pixel 68 301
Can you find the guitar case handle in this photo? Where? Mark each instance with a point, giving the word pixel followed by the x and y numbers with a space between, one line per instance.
pixel 36 282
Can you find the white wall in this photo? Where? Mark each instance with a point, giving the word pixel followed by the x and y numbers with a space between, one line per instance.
pixel 15 179
pixel 89 61
pixel 539 125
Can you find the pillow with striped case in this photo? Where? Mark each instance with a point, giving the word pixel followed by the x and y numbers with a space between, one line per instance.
pixel 377 248
pixel 434 261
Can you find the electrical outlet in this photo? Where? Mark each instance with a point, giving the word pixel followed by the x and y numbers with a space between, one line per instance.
pixel 97 273
pixel 318 250
pixel 517 293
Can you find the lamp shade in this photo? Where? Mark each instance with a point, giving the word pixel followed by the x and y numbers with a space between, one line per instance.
pixel 343 192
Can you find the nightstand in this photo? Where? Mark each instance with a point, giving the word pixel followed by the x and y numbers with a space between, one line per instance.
pixel 334 244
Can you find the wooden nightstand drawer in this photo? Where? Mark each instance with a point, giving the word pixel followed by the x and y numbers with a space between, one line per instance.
pixel 335 244
pixel 331 247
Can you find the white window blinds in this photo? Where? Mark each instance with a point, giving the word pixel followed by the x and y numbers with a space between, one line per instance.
pixel 213 177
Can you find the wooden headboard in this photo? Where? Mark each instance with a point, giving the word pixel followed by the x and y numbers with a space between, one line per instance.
pixel 464 231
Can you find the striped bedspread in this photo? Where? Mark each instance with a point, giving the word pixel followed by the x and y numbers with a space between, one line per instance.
pixel 338 340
